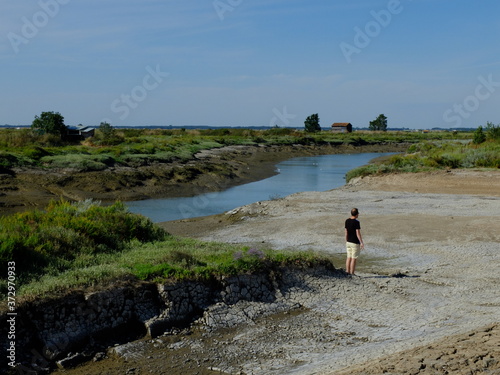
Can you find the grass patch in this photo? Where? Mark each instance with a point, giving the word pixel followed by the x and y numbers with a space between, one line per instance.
pixel 69 236
pixel 71 246
pixel 427 156
pixel 81 162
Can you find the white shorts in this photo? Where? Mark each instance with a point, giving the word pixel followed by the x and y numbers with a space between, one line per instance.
pixel 353 249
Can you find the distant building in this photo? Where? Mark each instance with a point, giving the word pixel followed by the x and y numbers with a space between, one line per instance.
pixel 80 132
pixel 344 127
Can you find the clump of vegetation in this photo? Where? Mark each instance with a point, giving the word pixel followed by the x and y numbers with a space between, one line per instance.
pixel 311 124
pixel 107 136
pixel 482 152
pixel 50 123
pixel 192 259
pixel 63 235
pixel 380 123
pixel 479 136
pixel 83 244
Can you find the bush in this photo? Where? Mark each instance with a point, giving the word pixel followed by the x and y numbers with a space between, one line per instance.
pixel 8 160
pixel 492 131
pixel 481 158
pixel 38 240
pixel 479 136
pixel 35 153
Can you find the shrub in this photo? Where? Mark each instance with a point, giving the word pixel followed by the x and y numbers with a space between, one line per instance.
pixel 431 155
pixel 492 131
pixel 479 136
pixel 481 158
pixel 35 153
pixel 8 160
pixel 64 232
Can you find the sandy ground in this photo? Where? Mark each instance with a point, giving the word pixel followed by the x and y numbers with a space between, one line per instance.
pixel 427 298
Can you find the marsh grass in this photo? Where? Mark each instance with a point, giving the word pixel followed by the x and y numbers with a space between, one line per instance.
pixel 173 259
pixel 72 246
pixel 65 236
pixel 137 147
pixel 426 156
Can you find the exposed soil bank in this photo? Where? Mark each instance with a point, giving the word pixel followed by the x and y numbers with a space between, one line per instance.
pixel 85 324
pixel 211 170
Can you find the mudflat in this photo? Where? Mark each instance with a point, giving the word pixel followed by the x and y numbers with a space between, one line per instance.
pixel 426 299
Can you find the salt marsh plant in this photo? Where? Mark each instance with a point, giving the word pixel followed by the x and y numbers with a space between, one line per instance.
pixel 52 240
pixel 429 155
pixel 84 244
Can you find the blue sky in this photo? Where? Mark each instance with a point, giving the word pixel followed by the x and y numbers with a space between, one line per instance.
pixel 422 63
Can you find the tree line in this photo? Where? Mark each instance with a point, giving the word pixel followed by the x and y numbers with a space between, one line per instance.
pixel 311 124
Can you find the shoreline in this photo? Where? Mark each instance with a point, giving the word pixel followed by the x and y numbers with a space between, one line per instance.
pixel 436 182
pixel 209 171
pixel 423 227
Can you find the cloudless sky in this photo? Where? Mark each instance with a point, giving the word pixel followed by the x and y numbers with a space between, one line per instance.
pixel 422 63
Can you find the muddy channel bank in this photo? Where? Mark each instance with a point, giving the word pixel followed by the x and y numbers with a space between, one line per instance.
pixel 209 170
pixel 129 321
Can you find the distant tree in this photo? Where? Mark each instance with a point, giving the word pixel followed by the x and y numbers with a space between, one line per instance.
pixel 312 124
pixel 50 123
pixel 479 136
pixel 492 131
pixel 107 135
pixel 380 123
pixel 106 129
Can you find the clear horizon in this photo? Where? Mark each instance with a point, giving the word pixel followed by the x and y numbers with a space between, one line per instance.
pixel 422 63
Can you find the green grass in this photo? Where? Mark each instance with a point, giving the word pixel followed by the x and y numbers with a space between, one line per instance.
pixel 137 147
pixel 435 155
pixel 67 235
pixel 79 245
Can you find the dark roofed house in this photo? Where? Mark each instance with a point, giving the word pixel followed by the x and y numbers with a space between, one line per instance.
pixel 345 127
pixel 80 132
